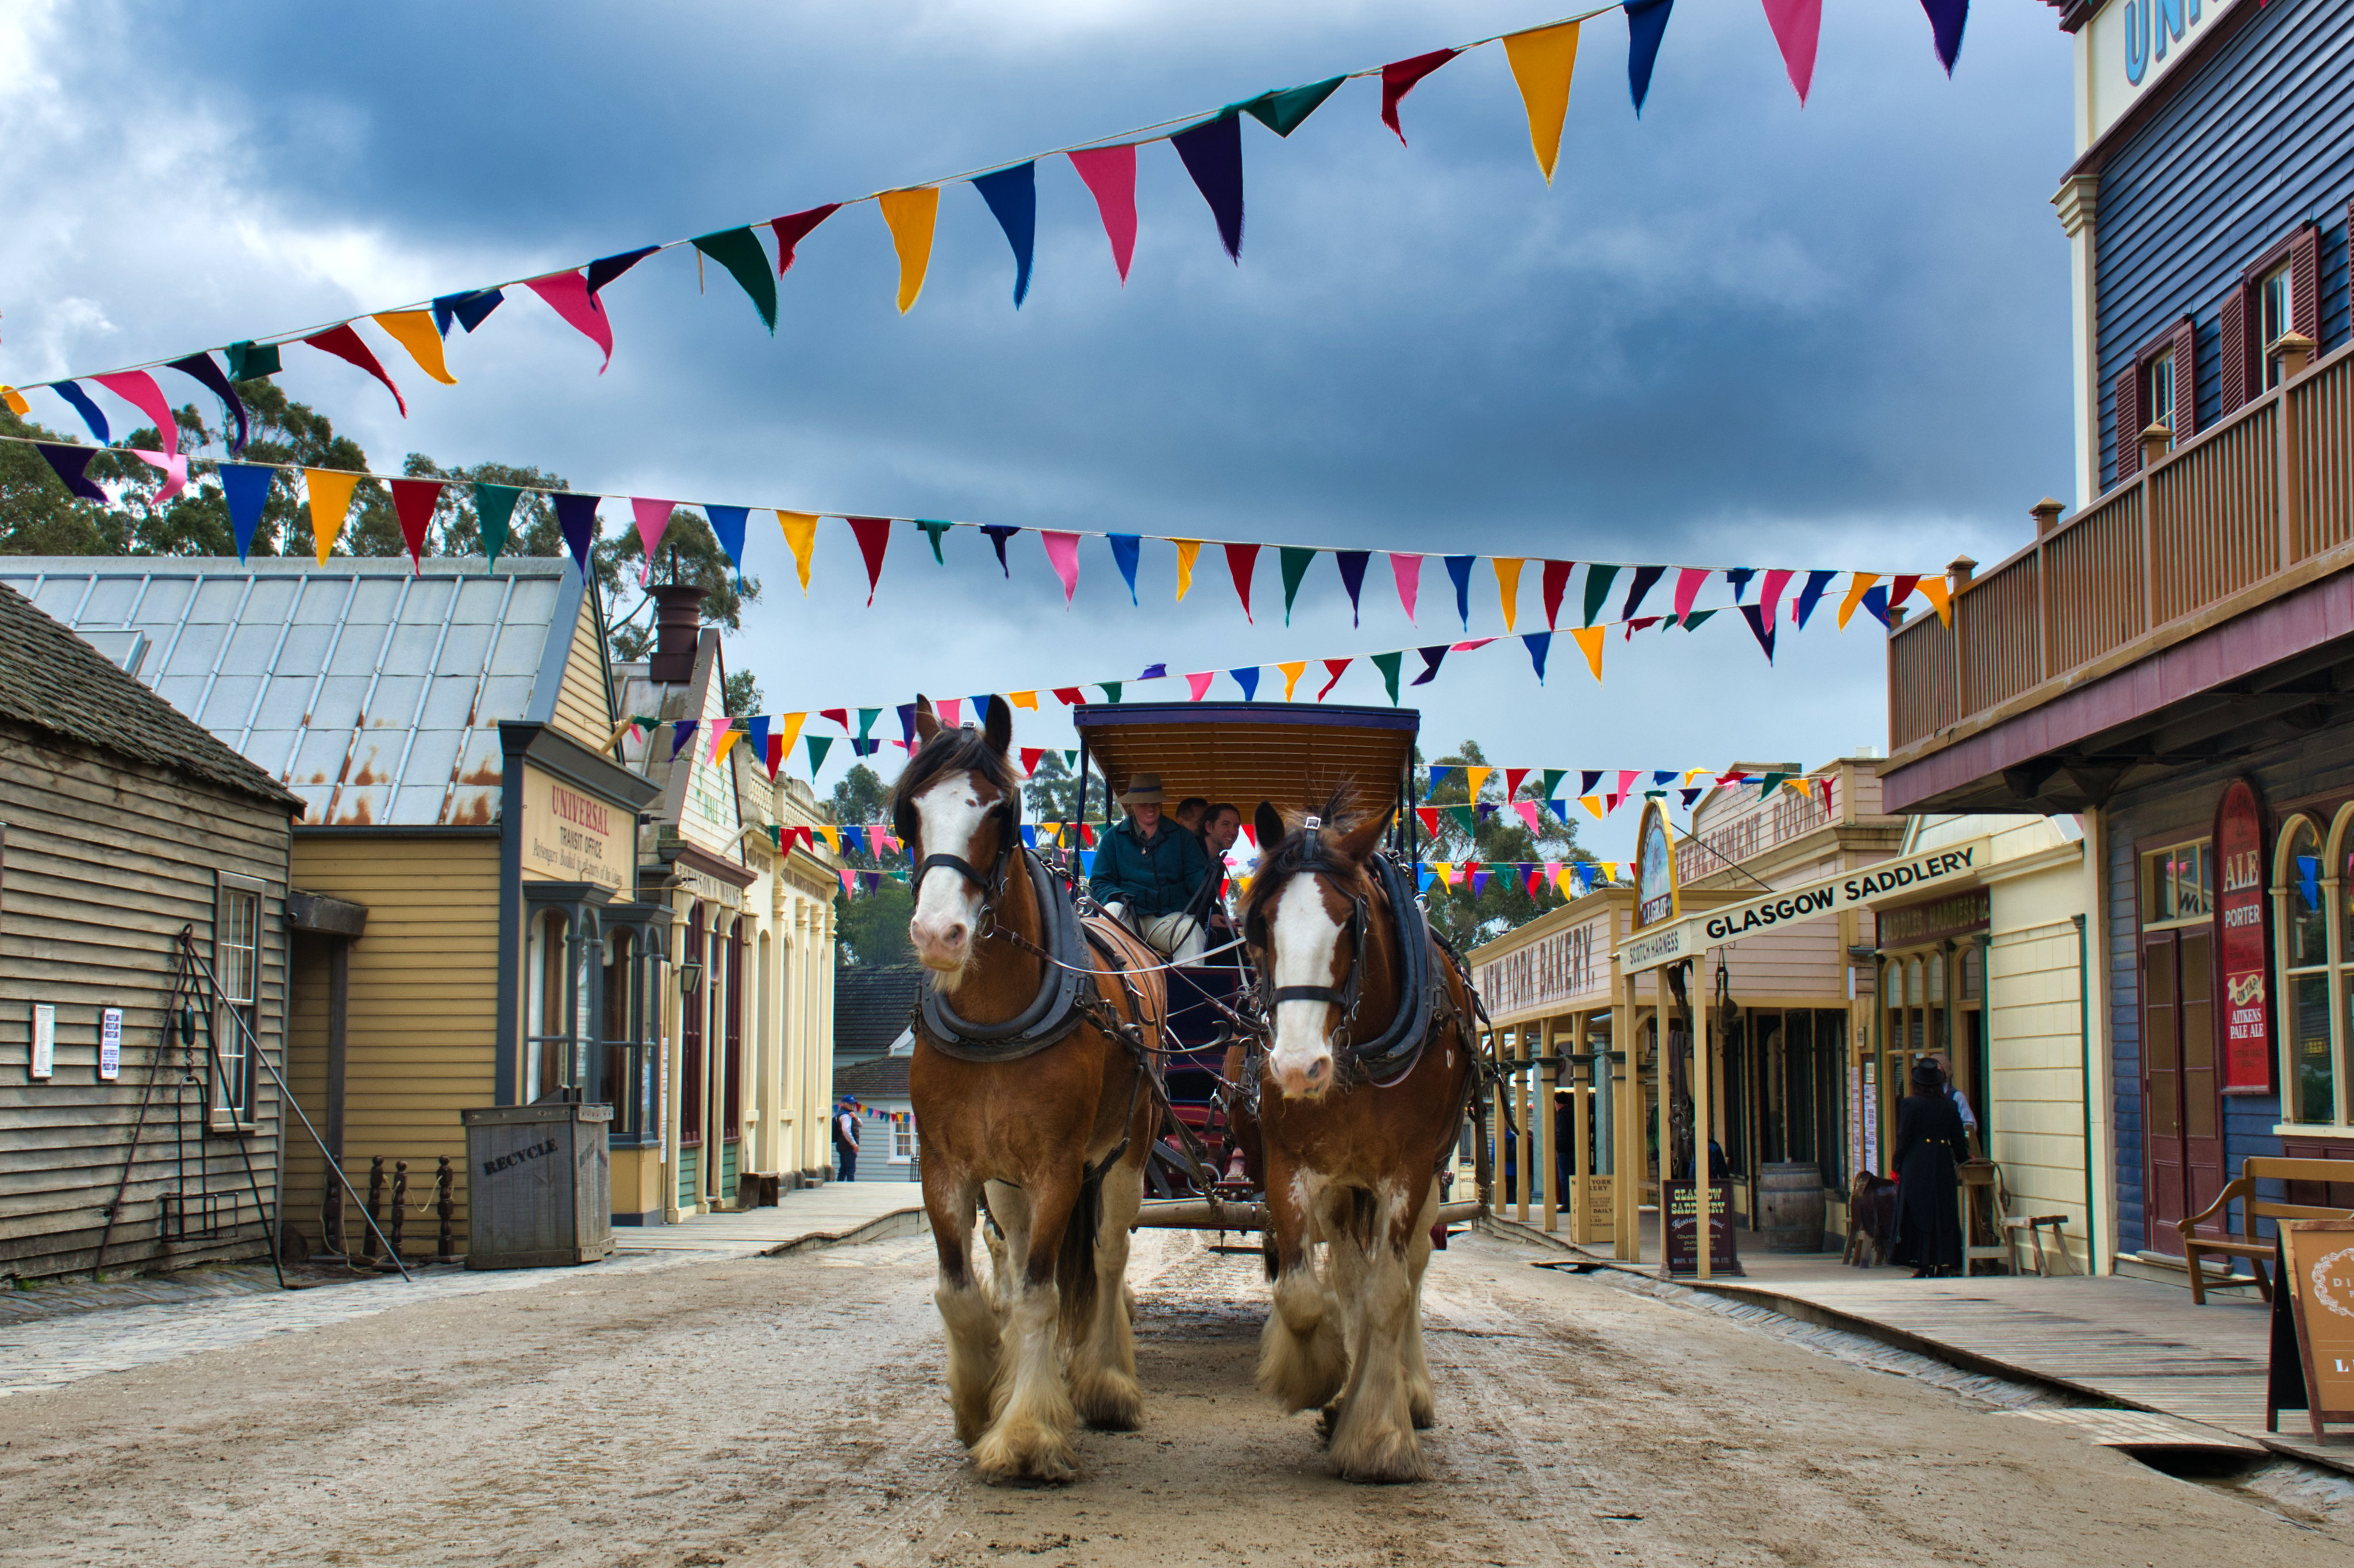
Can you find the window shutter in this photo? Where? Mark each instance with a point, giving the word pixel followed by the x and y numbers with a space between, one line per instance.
pixel 2184 416
pixel 2305 281
pixel 2231 341
pixel 2128 415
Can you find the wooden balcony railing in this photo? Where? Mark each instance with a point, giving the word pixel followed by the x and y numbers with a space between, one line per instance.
pixel 2266 492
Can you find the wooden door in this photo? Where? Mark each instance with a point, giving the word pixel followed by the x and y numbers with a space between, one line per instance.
pixel 2182 1112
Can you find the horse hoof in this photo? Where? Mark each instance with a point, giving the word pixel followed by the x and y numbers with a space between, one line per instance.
pixel 1108 1401
pixel 1328 1420
pixel 1385 1459
pixel 1425 1415
pixel 1040 1457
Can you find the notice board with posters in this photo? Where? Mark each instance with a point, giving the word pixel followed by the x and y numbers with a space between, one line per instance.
pixel 2318 1267
pixel 2242 952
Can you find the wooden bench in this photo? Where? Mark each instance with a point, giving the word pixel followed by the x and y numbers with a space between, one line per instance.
pixel 2243 1243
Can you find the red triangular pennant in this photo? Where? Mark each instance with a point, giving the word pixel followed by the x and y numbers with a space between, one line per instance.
pixel 874 538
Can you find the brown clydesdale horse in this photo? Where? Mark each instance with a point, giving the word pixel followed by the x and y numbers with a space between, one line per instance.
pixel 1349 1161
pixel 1031 1130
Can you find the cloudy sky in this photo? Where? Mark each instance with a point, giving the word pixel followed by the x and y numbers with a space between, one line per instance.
pixel 1731 332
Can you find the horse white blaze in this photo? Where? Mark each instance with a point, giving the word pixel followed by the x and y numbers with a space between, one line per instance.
pixel 948 905
pixel 1304 938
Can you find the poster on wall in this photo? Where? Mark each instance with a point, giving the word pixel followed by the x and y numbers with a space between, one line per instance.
pixel 1655 869
pixel 2241 953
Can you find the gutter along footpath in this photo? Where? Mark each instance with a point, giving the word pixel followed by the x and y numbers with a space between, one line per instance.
pixel 2134 1342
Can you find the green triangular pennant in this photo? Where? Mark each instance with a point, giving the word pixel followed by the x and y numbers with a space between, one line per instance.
pixel 1692 621
pixel 1283 111
pixel 1464 818
pixel 495 504
pixel 866 718
pixel 933 531
pixel 740 253
pixel 1553 778
pixel 1597 588
pixel 819 745
pixel 1387 663
pixel 251 361
pixel 1111 690
pixel 1296 563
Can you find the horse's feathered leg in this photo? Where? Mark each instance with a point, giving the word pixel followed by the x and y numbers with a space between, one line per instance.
pixel 1103 1358
pixel 966 1310
pixel 1373 1440
pixel 1302 1358
pixel 1420 1400
pixel 1030 1438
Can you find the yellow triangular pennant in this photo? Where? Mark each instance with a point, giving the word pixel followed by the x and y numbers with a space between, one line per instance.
pixel 789 730
pixel 413 330
pixel 910 215
pixel 723 741
pixel 1940 593
pixel 1542 62
pixel 1594 804
pixel 1507 587
pixel 1186 550
pixel 1475 777
pixel 800 538
pixel 16 401
pixel 1291 673
pixel 831 835
pixel 1858 584
pixel 1589 641
pixel 331 498
pixel 1023 700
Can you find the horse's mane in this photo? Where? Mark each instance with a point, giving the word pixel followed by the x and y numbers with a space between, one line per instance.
pixel 953 751
pixel 1306 848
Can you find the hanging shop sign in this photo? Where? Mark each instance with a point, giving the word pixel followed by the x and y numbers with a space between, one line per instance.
pixel 570 835
pixel 1656 897
pixel 1807 900
pixel 2241 949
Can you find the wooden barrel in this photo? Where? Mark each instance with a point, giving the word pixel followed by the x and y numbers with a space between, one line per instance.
pixel 1790 1208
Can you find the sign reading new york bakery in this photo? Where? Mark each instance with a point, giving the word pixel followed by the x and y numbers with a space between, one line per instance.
pixel 1924 872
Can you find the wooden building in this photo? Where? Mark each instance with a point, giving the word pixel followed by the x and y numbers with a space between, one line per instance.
pixel 123 827
pixel 470 922
pixel 2169 658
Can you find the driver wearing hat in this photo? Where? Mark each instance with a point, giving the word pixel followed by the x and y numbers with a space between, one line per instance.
pixel 1148 869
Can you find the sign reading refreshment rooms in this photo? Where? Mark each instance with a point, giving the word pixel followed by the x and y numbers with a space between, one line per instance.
pixel 1807 900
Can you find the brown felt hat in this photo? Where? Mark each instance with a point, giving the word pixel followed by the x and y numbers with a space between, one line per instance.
pixel 1143 789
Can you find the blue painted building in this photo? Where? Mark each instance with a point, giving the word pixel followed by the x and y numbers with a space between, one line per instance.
pixel 2174 659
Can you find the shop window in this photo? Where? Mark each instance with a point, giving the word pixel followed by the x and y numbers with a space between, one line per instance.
pixel 2178 884
pixel 548 1009
pixel 903 1142
pixel 2275 294
pixel 2315 975
pixel 2279 293
pixel 629 1020
pixel 731 1030
pixel 690 1042
pixel 236 964
pixel 2156 389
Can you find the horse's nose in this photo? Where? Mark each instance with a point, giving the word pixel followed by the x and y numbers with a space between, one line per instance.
pixel 940 943
pixel 954 935
pixel 1305 1081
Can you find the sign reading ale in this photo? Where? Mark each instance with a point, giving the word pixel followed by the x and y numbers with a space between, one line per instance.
pixel 2241 906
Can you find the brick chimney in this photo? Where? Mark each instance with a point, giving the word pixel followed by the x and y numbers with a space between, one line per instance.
pixel 678 623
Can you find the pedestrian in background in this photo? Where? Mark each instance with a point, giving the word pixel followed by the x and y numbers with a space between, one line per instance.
pixel 1928 1146
pixel 846 1138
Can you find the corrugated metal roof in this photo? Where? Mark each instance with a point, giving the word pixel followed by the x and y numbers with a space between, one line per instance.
pixel 371 692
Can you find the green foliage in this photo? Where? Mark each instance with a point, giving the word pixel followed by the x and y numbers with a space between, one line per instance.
pixel 1053 793
pixel 872 928
pixel 743 694
pixel 861 797
pixel 1502 836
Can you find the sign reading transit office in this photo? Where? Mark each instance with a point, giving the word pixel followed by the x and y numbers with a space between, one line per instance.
pixel 1807 900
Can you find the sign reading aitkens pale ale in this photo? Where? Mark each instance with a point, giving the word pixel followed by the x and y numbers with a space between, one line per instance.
pixel 2240 909
pixel 1656 900
pixel 1807 900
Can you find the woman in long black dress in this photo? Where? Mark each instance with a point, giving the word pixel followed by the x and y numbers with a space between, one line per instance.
pixel 1928 1210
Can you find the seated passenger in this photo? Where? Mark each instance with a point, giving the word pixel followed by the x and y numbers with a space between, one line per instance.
pixel 1148 871
pixel 1189 814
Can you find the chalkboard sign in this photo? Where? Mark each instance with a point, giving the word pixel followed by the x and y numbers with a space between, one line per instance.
pixel 2318 1270
pixel 1682 1232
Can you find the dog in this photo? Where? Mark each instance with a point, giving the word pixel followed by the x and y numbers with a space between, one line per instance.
pixel 1870 1218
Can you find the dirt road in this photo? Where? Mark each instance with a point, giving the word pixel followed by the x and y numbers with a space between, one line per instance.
pixel 788 1411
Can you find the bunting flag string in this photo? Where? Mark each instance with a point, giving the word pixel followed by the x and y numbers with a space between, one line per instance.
pixel 872 534
pixel 1541 60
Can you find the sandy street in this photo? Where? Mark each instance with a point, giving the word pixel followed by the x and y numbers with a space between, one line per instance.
pixel 788 1411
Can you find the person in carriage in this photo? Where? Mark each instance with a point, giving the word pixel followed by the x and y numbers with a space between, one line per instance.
pixel 1149 873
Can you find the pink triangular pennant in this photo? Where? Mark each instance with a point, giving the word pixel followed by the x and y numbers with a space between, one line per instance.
pixel 175 471
pixel 1797 25
pixel 1199 682
pixel 653 517
pixel 1110 176
pixel 1769 595
pixel 1063 553
pixel 138 389
pixel 1688 582
pixel 1528 813
pixel 1407 569
pixel 568 295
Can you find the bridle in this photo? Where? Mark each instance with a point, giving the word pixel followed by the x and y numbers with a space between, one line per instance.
pixel 1006 814
pixel 1342 997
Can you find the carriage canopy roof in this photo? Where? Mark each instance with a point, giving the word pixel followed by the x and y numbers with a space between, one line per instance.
pixel 1291 754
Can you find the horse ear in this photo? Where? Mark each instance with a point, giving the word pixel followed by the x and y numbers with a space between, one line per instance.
pixel 997 727
pixel 1269 824
pixel 1359 842
pixel 928 723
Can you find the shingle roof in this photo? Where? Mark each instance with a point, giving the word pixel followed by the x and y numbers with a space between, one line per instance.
pixel 883 1078
pixel 871 1003
pixel 372 691
pixel 52 680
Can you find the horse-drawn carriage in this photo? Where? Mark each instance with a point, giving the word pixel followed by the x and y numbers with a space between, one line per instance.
pixel 1243 753
pixel 1064 1068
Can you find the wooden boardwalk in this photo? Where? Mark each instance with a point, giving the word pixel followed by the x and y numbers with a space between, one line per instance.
pixel 2138 1343
pixel 813 1216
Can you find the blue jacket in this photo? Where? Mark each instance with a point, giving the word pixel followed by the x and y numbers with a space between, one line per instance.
pixel 1158 878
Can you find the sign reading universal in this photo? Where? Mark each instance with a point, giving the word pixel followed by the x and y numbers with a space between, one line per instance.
pixel 1809 901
